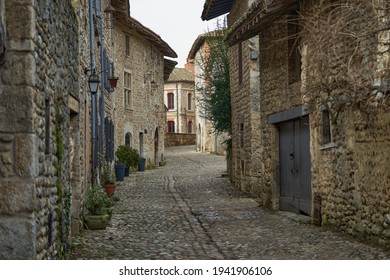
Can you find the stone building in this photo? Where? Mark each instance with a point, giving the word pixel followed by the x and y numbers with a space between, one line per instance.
pixel 310 124
pixel 207 140
pixel 179 98
pixel 42 113
pixel 51 125
pixel 142 68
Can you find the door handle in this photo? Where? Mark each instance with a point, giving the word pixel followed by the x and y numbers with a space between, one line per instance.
pixel 294 171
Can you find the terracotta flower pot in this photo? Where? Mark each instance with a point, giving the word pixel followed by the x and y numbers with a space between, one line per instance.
pixel 110 189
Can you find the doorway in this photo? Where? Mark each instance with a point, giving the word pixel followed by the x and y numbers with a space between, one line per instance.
pixel 294 156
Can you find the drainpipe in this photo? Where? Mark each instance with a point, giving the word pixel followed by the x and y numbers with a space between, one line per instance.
pixel 93 105
pixel 103 66
pixel 177 107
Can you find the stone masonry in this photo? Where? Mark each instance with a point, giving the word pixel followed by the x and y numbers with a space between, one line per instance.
pixel 38 79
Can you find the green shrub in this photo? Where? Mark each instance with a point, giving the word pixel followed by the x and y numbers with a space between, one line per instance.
pixel 97 201
pixel 127 155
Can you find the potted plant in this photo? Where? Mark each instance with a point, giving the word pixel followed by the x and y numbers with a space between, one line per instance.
pixel 122 154
pixel 134 158
pixel 108 179
pixel 96 204
pixel 127 155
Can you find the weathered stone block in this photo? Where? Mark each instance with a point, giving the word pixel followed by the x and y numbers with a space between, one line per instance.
pixel 17 109
pixel 19 70
pixel 21 45
pixel 16 197
pixel 26 156
pixel 17 238
pixel 20 20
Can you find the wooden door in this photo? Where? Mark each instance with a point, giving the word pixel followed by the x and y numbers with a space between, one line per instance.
pixel 295 176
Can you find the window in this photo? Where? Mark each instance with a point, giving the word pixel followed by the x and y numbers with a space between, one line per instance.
pixel 294 56
pixel 171 101
pixel 127 52
pixel 171 126
pixel 189 101
pixel 240 71
pixel 189 130
pixel 241 128
pixel 127 92
pixel 326 133
pixel 47 125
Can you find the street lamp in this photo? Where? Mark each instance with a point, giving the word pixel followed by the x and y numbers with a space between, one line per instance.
pixel 93 83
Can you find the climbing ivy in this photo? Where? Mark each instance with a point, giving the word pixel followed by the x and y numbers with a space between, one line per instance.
pixel 63 196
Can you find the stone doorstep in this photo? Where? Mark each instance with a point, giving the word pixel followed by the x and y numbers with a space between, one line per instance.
pixel 295 217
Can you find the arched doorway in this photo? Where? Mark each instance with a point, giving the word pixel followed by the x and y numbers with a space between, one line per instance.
pixel 128 139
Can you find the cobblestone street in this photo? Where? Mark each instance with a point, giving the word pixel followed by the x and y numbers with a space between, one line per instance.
pixel 188 210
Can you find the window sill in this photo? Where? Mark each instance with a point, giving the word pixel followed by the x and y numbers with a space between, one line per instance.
pixel 328 146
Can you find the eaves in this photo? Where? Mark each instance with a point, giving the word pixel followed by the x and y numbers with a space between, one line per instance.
pixel 261 15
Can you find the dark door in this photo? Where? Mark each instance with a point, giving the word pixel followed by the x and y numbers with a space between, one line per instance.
pixel 295 176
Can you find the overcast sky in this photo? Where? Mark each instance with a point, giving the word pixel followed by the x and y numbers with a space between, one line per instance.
pixel 178 22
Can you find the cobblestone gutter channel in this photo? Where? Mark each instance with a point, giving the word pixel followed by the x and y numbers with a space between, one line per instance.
pixel 205 241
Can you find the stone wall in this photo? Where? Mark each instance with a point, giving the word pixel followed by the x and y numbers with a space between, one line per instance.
pixel 39 74
pixel 351 175
pixel 246 155
pixel 179 139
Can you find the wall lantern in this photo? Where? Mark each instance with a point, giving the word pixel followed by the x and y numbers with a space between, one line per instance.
pixel 113 81
pixel 109 11
pixel 93 82
pixel 153 84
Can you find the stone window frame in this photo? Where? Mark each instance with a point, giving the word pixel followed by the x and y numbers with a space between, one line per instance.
pixel 326 131
pixel 128 89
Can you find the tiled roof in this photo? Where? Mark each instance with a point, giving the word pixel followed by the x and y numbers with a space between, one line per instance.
pixel 201 40
pixel 181 75
pixel 169 65
pixel 122 15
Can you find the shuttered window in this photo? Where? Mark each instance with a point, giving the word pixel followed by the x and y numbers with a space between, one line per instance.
pixel 171 101
pixel 109 139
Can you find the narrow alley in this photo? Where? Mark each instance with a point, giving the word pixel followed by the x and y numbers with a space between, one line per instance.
pixel 188 210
